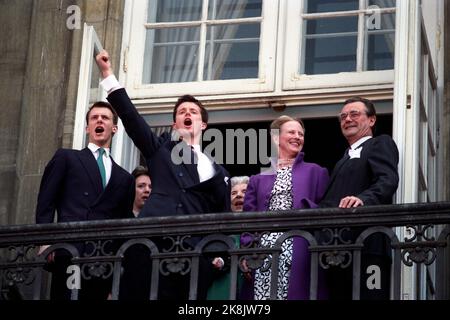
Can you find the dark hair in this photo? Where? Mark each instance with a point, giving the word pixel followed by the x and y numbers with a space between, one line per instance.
pixel 103 104
pixel 189 98
pixel 140 171
pixel 370 107
pixel 278 122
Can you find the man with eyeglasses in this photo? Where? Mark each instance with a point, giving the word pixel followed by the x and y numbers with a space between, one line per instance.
pixel 366 175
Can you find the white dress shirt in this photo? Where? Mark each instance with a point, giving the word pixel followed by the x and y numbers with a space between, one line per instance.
pixel 110 84
pixel 355 145
pixel 106 159
pixel 355 150
pixel 205 167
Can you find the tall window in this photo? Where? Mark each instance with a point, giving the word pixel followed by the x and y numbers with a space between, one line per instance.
pixel 338 37
pixel 235 47
pixel 186 43
pixel 428 127
pixel 195 45
pixel 346 36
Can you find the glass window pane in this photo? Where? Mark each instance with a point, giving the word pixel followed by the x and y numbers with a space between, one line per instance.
pixel 234 9
pixel 171 55
pixel 381 43
pixel 316 6
pixel 382 3
pixel 232 52
pixel 381 51
pixel 330 55
pixel 332 25
pixel 330 45
pixel 174 10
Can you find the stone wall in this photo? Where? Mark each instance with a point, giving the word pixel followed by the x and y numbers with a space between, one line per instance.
pixel 39 64
pixel 14 42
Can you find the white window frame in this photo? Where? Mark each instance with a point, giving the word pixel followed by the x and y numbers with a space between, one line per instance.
pixel 429 124
pixel 293 80
pixel 134 51
pixel 123 151
pixel 86 94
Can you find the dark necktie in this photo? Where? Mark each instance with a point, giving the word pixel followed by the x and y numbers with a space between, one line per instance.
pixel 101 165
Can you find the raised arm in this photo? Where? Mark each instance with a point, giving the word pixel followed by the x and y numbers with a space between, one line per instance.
pixel 135 125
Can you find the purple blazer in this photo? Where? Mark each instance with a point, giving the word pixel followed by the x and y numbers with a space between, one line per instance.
pixel 309 182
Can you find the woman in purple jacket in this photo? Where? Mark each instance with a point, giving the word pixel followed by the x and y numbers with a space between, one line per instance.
pixel 291 183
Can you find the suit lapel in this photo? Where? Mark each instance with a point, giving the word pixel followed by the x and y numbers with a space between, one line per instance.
pixel 113 181
pixel 187 161
pixel 88 161
pixel 338 166
pixel 115 173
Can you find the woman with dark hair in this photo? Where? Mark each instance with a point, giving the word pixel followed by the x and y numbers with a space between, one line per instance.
pixel 136 275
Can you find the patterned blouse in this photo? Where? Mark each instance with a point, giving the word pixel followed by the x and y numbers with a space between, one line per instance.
pixel 281 198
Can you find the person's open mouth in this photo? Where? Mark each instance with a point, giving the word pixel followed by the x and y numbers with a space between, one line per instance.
pixel 187 122
pixel 99 130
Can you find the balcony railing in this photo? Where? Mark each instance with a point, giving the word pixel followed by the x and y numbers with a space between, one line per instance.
pixel 424 244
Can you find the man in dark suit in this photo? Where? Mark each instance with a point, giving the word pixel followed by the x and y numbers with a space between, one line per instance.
pixel 184 179
pixel 78 188
pixel 366 175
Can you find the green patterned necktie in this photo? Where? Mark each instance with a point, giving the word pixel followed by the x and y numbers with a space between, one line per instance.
pixel 101 165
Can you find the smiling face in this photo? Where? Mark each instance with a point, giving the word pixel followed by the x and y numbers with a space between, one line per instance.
pixel 143 189
pixel 237 197
pixel 188 122
pixel 355 123
pixel 100 127
pixel 290 139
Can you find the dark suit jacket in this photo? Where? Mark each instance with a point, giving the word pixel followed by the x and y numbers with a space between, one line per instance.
pixel 372 177
pixel 71 186
pixel 176 189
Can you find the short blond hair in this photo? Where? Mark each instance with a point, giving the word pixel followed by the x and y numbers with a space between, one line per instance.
pixel 278 122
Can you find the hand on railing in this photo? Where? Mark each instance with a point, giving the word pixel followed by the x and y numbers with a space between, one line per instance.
pixel 350 202
pixel 218 263
pixel 246 270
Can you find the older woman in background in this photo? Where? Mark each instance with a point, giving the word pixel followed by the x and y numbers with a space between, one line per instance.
pixel 291 183
pixel 220 288
pixel 238 189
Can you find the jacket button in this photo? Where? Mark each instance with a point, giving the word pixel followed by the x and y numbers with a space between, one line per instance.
pixel 180 174
pixel 180 205
pixel 86 193
pixel 183 190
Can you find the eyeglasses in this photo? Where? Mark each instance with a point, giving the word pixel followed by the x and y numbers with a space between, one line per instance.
pixel 354 114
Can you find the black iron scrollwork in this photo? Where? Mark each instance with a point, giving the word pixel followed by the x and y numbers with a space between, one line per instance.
pixel 179 265
pixel 98 269
pixel 19 273
pixel 335 257
pixel 419 254
pixel 255 260
pixel 422 251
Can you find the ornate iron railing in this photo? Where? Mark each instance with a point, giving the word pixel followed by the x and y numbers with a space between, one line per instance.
pixel 23 275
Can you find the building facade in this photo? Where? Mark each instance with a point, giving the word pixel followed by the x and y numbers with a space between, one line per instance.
pixel 249 61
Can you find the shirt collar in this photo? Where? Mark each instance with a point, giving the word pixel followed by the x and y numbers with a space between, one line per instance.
pixel 94 148
pixel 196 147
pixel 355 145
